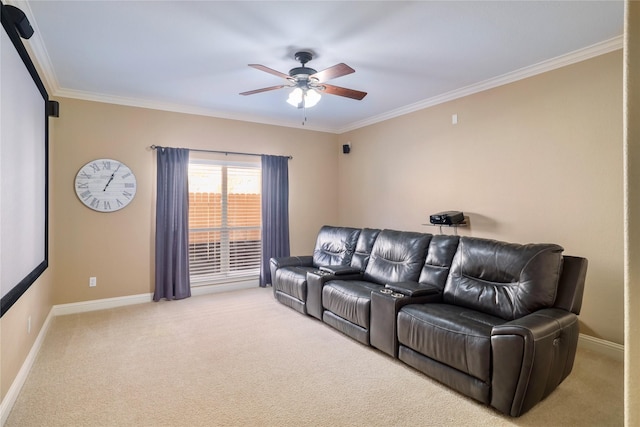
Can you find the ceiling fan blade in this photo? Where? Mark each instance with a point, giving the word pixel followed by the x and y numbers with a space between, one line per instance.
pixel 269 70
pixel 337 70
pixel 341 91
pixel 264 89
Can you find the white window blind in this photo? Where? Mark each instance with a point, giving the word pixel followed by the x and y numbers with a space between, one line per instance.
pixel 224 222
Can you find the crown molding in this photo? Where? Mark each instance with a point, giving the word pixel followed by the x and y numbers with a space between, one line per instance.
pixel 592 51
pixel 179 108
pixel 51 81
pixel 523 73
pixel 36 46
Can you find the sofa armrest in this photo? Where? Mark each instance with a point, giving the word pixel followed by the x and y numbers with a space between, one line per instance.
pixel 413 289
pixel 532 355
pixel 340 270
pixel 386 303
pixel 292 261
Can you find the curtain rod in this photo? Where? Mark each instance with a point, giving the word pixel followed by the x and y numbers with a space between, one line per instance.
pixel 155 147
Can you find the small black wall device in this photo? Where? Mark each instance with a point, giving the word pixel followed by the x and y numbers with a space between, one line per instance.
pixel 447 218
pixel 346 148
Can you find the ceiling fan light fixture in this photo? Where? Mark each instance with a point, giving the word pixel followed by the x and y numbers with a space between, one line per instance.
pixel 311 98
pixel 303 98
pixel 295 97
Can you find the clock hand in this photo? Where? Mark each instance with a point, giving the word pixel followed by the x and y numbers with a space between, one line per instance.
pixel 108 182
pixel 111 178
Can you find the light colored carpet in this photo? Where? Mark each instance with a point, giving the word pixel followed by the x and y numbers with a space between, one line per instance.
pixel 243 359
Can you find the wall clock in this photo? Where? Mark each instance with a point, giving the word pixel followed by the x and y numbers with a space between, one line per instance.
pixel 105 185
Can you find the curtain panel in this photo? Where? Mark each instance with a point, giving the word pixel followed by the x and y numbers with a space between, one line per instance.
pixel 172 225
pixel 275 212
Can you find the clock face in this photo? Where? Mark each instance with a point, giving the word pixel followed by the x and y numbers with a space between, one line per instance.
pixel 105 185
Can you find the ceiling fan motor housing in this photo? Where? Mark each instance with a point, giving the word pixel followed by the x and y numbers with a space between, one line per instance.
pixel 301 72
pixel 303 57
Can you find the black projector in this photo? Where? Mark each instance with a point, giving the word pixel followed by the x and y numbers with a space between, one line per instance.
pixel 447 218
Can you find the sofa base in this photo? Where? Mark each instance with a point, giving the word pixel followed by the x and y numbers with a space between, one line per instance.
pixel 453 378
pixel 290 301
pixel 354 331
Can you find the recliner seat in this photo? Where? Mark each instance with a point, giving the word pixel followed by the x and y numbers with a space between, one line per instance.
pixel 492 287
pixel 334 246
pixel 397 256
pixel 359 262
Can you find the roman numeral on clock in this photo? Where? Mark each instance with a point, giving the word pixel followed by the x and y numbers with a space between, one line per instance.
pixel 105 185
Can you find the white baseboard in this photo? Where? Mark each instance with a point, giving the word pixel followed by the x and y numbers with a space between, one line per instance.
pixel 100 304
pixel 103 304
pixel 604 347
pixel 13 392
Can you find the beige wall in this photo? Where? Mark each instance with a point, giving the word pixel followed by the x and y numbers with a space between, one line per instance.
pixel 632 213
pixel 117 248
pixel 16 340
pixel 537 160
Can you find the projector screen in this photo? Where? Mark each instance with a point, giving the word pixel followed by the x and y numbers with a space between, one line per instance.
pixel 23 168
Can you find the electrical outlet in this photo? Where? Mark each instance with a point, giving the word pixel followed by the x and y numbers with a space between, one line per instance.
pixel 93 281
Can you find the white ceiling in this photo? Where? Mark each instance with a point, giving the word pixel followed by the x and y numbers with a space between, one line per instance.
pixel 192 56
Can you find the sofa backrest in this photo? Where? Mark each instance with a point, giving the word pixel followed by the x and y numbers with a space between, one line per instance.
pixel 440 253
pixel 335 245
pixel 571 284
pixel 363 248
pixel 506 280
pixel 397 256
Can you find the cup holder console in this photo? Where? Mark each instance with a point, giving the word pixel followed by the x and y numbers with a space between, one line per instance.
pixel 387 291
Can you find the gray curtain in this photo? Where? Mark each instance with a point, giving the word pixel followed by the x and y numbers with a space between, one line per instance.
pixel 275 212
pixel 172 225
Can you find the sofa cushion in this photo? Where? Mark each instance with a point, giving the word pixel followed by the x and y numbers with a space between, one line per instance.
pixel 440 253
pixel 455 336
pixel 335 245
pixel 502 279
pixel 292 281
pixel 363 248
pixel 397 256
pixel 349 299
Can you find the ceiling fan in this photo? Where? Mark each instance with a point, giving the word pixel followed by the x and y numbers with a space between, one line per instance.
pixel 307 82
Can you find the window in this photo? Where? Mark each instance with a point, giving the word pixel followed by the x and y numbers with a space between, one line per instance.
pixel 224 221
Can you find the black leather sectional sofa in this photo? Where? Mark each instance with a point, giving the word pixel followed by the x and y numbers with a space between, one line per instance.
pixel 495 321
